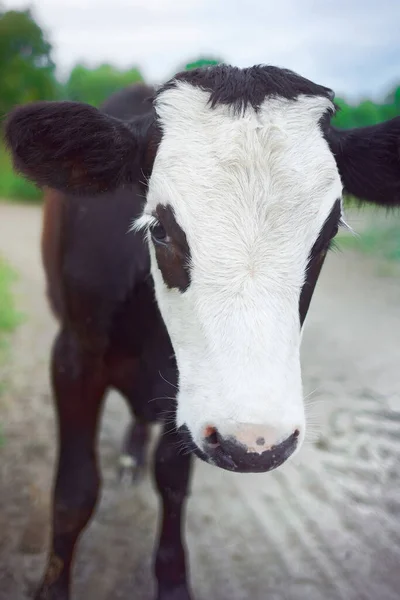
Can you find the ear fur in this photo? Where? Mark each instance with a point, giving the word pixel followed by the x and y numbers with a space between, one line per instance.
pixel 368 160
pixel 73 147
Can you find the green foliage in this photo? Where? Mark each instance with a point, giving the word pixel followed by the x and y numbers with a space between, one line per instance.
pixel 13 186
pixel 9 317
pixel 367 112
pixel 9 320
pixel 27 74
pixel 26 67
pixel 96 85
pixel 201 62
pixel 381 240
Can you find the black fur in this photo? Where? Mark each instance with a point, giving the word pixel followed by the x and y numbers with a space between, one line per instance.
pixel 250 86
pixel 73 147
pixel 120 104
pixel 368 159
pixel 317 258
pixel 144 124
pixel 173 257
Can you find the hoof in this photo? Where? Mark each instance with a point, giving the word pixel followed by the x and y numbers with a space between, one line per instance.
pixel 132 461
pixel 55 583
pixel 46 593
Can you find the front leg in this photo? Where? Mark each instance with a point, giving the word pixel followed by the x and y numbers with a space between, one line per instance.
pixel 172 475
pixel 79 387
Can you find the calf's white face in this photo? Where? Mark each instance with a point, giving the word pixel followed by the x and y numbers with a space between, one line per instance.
pixel 236 201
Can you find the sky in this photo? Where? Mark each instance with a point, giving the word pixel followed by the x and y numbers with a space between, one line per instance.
pixel 352 46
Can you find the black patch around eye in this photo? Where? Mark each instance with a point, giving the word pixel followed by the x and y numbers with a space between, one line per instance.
pixel 317 258
pixel 172 252
pixel 328 231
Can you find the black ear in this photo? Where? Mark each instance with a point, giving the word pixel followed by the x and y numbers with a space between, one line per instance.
pixel 368 160
pixel 73 147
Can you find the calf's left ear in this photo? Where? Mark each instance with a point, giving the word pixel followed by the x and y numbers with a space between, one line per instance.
pixel 368 159
pixel 73 147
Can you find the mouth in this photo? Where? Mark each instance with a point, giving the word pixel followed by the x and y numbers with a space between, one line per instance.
pixel 190 446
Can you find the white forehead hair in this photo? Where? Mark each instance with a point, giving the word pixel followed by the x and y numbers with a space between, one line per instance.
pixel 258 178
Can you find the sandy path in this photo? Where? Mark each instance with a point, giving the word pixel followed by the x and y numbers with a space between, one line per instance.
pixel 324 527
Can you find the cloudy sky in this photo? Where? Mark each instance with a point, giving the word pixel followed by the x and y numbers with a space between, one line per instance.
pixel 352 46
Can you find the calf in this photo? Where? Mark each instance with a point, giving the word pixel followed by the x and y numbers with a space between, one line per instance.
pixel 231 185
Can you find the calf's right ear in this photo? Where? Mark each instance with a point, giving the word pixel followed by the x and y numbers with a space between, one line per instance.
pixel 73 147
pixel 368 159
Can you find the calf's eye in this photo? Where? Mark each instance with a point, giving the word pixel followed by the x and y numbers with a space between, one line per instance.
pixel 158 234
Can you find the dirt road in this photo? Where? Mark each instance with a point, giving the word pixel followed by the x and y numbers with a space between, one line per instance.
pixel 324 527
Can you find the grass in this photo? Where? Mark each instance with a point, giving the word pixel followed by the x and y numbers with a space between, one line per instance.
pixel 380 235
pixel 13 186
pixel 379 238
pixel 9 316
pixel 9 319
pixel 379 241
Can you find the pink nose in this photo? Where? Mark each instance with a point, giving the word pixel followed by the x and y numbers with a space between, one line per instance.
pixel 250 448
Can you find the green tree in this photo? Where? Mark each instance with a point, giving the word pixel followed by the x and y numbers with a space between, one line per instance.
pixel 366 112
pixel 392 102
pixel 27 72
pixel 396 98
pixel 95 85
pixel 202 61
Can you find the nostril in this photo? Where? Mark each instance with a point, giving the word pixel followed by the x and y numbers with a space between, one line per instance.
pixel 211 436
pixel 249 448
